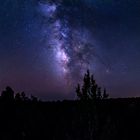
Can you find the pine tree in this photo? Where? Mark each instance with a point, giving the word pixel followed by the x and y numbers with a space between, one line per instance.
pixel 89 89
pixel 94 88
pixel 99 93
pixel 86 86
pixel 105 95
pixel 78 91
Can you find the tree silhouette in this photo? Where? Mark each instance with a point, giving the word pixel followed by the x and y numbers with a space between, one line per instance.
pixel 89 89
pixel 99 93
pixel 86 86
pixel 83 93
pixel 34 99
pixel 78 91
pixel 105 95
pixel 94 88
pixel 24 97
pixel 7 94
pixel 18 97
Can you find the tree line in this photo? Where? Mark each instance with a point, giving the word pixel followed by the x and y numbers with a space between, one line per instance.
pixel 8 95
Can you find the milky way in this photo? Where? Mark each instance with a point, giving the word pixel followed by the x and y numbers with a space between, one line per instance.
pixel 72 46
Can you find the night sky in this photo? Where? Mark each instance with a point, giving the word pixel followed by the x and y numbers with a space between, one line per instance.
pixel 47 45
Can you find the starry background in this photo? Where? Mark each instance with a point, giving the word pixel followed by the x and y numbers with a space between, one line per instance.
pixel 46 46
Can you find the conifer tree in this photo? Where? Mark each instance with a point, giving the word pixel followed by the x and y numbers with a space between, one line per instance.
pixel 90 89
pixel 105 95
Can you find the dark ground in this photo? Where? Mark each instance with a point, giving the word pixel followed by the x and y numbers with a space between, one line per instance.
pixel 110 119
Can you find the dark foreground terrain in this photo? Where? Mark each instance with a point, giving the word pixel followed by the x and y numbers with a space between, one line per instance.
pixel 110 119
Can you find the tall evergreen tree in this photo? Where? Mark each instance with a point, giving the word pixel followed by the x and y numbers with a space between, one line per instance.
pixel 89 89
pixel 94 88
pixel 78 91
pixel 105 95
pixel 99 93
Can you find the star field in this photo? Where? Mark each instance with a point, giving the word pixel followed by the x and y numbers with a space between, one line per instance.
pixel 46 46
